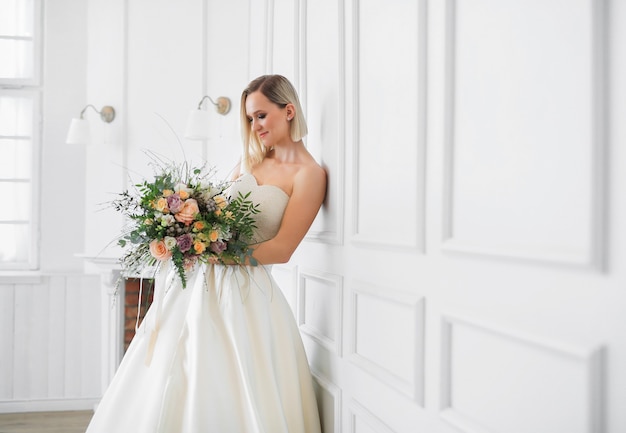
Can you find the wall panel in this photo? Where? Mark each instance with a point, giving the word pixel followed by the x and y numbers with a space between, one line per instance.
pixel 51 348
pixel 284 51
pixel 363 420
pixel 7 341
pixel 58 341
pixel 320 308
pixel 387 337
pixel 496 380
pixel 322 95
pixel 329 404
pixel 389 124
pixel 524 129
pixel 163 82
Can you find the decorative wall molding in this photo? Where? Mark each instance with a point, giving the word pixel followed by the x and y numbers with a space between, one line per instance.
pixel 589 359
pixel 403 243
pixel 335 283
pixel 335 393
pixel 413 387
pixel 593 255
pixel 50 340
pixel 360 412
pixel 269 36
pixel 332 161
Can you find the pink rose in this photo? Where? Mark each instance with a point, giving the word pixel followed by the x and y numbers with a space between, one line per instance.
pixel 218 247
pixel 159 251
pixel 185 242
pixel 187 212
pixel 174 203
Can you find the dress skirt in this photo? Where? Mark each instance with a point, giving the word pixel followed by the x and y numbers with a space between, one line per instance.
pixel 222 355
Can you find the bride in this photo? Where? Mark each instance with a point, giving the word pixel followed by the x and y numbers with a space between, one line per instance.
pixel 228 356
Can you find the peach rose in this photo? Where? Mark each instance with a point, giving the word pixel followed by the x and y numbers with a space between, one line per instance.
pixel 198 225
pixel 187 212
pixel 161 205
pixel 220 201
pixel 213 235
pixel 167 192
pixel 159 251
pixel 182 190
pixel 199 247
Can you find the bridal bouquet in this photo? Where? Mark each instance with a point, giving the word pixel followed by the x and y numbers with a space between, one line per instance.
pixel 185 217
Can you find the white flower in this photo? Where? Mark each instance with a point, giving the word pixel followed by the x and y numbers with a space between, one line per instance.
pixel 170 242
pixel 182 187
pixel 167 220
pixel 208 191
pixel 208 188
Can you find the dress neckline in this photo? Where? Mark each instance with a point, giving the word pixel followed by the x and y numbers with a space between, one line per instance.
pixel 266 185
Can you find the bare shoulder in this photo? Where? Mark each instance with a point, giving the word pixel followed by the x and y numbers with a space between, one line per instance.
pixel 312 177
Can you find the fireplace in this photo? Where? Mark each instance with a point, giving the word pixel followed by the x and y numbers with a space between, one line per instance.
pixel 132 289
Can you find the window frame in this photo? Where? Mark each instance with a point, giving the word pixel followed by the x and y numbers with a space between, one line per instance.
pixel 37 59
pixel 32 88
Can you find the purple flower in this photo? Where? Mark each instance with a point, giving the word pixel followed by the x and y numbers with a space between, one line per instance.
pixel 218 246
pixel 174 203
pixel 184 242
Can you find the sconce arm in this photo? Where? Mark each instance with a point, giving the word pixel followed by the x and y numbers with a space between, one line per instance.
pixel 107 114
pixel 222 105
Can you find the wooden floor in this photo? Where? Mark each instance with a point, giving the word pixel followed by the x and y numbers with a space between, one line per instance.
pixel 45 422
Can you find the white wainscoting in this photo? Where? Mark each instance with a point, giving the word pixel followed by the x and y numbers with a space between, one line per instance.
pixel 329 403
pixel 364 421
pixel 323 99
pixel 320 308
pixel 388 124
pixel 524 129
pixel 496 380
pixel 50 339
pixel 387 338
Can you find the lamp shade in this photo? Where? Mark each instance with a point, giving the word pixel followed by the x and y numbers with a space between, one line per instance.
pixel 197 125
pixel 78 132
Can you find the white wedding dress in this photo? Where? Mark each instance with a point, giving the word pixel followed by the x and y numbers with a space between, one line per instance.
pixel 222 355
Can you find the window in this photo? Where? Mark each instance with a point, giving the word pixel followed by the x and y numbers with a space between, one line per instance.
pixel 20 113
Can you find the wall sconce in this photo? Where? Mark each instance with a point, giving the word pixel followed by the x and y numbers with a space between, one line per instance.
pixel 198 120
pixel 79 128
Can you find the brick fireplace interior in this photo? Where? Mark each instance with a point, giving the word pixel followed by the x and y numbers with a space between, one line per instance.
pixel 131 299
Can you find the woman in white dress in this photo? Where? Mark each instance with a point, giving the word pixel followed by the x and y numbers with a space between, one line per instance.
pixel 224 354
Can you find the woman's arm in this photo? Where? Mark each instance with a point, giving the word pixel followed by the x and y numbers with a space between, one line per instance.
pixel 309 190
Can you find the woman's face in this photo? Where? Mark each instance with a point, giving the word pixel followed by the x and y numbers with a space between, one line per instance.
pixel 268 120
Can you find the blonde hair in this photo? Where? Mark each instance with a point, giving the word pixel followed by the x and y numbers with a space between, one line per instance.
pixel 281 92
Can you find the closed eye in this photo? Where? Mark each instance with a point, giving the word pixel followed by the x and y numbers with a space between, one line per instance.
pixel 260 116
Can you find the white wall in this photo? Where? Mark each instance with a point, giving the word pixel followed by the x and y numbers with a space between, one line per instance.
pixel 49 340
pixel 62 165
pixel 466 271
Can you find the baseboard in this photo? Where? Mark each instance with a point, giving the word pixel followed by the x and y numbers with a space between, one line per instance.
pixel 48 405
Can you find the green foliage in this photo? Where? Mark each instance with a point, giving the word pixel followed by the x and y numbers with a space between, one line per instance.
pixel 188 218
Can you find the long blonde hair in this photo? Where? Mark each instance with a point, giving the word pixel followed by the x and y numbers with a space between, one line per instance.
pixel 281 92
